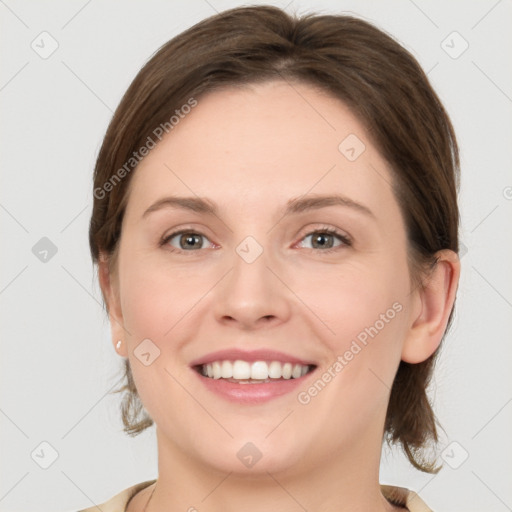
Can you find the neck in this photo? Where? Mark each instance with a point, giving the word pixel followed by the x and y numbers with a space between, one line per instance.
pixel 347 482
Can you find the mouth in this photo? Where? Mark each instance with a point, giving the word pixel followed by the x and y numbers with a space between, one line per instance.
pixel 250 377
pixel 253 372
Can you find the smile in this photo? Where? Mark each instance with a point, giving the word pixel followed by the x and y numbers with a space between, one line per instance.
pixel 245 372
pixel 251 377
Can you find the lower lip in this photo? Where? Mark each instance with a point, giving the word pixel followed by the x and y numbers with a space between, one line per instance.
pixel 251 393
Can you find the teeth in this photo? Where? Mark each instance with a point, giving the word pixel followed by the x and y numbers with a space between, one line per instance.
pixel 241 370
pixel 287 370
pixel 217 370
pixel 226 370
pixel 297 371
pixel 274 370
pixel 258 370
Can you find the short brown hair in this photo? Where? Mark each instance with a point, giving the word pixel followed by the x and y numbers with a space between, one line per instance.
pixel 352 60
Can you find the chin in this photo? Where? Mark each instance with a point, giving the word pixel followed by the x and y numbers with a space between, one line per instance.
pixel 253 456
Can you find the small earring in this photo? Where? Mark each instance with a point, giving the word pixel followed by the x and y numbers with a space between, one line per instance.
pixel 118 344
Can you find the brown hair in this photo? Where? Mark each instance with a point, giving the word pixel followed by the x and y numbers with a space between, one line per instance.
pixel 352 60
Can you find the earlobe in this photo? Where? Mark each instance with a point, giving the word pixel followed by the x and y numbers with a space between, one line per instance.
pixel 110 292
pixel 436 298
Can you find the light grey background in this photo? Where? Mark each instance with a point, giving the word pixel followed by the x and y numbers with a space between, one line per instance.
pixel 58 364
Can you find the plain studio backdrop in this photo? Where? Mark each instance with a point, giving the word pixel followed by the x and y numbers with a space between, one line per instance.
pixel 65 66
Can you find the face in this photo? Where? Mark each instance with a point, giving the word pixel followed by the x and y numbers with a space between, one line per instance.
pixel 264 271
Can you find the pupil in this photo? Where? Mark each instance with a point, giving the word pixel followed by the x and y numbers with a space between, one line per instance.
pixel 323 236
pixel 189 239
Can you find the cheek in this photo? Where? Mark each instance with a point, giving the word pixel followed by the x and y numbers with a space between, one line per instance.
pixel 363 313
pixel 356 302
pixel 158 305
pixel 156 298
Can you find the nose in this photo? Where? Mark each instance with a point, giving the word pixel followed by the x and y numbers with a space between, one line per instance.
pixel 252 295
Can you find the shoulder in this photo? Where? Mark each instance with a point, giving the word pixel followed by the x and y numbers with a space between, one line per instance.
pixel 118 502
pixel 404 497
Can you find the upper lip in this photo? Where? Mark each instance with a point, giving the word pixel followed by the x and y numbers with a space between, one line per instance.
pixel 233 354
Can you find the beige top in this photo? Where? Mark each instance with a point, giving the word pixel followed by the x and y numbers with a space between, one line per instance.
pixel 399 496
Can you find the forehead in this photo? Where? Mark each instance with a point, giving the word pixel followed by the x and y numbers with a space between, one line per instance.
pixel 264 142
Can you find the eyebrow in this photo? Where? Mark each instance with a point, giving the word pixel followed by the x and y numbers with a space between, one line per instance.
pixel 293 206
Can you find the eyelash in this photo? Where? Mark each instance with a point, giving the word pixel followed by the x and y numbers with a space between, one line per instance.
pixel 324 230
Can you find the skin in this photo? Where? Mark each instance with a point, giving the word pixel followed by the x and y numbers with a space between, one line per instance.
pixel 250 150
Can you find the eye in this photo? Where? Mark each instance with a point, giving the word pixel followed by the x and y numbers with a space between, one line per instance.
pixel 325 238
pixel 185 241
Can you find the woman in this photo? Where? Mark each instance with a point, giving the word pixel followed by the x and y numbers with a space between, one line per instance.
pixel 275 226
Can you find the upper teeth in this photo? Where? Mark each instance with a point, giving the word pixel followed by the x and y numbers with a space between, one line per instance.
pixel 259 370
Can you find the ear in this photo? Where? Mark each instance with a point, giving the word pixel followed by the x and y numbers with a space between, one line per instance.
pixel 433 302
pixel 110 290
